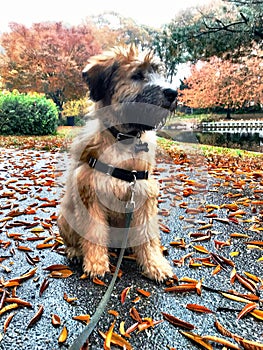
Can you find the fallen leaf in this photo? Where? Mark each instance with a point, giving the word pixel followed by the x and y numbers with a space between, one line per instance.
pixel 135 315
pixel 198 308
pixel 201 249
pixel 83 318
pixel 250 345
pixel 63 335
pixel 43 286
pixel 144 292
pixel 182 288
pixel 8 320
pixel 69 299
pixel 55 320
pixel 37 316
pixel 197 339
pixel 258 314
pixel 177 321
pixel 221 341
pixel 8 308
pixel 96 280
pixel 107 340
pixel 246 309
pixel 124 294
pixel 116 339
pixel 61 273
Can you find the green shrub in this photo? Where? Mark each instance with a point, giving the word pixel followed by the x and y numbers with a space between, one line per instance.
pixel 27 114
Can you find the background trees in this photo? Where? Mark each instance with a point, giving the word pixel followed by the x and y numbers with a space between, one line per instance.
pixel 226 36
pixel 221 83
pixel 228 29
pixel 47 58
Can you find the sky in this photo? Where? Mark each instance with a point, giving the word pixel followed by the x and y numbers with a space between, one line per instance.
pixel 149 12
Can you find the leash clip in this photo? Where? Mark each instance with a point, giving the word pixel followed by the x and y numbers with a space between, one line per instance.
pixel 130 206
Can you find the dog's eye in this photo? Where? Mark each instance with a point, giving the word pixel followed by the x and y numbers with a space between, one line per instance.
pixel 138 76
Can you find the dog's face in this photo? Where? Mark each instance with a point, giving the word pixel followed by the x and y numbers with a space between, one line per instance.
pixel 124 80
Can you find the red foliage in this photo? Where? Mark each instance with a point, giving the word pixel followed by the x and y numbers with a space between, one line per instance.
pixel 223 83
pixel 47 58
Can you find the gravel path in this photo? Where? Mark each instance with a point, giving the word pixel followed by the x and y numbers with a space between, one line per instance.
pixel 30 189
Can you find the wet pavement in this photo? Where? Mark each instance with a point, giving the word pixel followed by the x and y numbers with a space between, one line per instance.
pixel 30 190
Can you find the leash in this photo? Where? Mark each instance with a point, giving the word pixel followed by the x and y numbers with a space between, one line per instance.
pixel 86 332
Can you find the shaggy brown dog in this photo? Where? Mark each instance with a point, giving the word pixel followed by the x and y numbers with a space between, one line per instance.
pixel 112 157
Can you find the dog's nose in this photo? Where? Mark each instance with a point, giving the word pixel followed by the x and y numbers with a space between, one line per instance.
pixel 170 94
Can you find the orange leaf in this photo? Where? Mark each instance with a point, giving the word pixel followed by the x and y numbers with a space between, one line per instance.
pixel 36 317
pixel 118 340
pixel 144 292
pixel 96 280
pixel 246 309
pixel 8 320
pixel 226 332
pixel 56 267
pixel 222 341
pixel 82 318
pixel 198 308
pixel 69 299
pixel 182 288
pixel 197 339
pixel 55 320
pixel 201 249
pixel 63 335
pixel 61 273
pixel 8 307
pixel 124 294
pixel 135 315
pixel 250 345
pixel 107 341
pixel 177 321
pixel 258 314
pixel 113 313
pixel 24 248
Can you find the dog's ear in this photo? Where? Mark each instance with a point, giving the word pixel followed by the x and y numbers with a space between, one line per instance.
pixel 98 77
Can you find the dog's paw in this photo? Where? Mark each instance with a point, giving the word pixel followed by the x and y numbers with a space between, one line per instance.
pixel 158 272
pixel 94 269
pixel 73 252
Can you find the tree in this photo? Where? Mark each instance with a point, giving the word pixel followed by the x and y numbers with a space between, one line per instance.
pixel 228 29
pixel 47 58
pixel 221 83
pixel 113 29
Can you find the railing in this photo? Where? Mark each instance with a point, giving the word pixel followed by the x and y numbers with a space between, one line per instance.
pixel 245 126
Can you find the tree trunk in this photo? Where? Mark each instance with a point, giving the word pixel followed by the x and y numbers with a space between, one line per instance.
pixel 228 115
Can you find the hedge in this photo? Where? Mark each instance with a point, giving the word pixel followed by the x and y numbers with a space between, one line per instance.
pixel 27 114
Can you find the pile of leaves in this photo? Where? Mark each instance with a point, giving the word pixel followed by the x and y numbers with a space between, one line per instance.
pixel 216 198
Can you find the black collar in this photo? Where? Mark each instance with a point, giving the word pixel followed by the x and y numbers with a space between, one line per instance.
pixel 128 137
pixel 118 173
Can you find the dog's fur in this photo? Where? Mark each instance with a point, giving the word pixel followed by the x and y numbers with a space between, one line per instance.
pixel 92 210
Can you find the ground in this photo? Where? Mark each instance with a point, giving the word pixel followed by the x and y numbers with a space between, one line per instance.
pixel 210 209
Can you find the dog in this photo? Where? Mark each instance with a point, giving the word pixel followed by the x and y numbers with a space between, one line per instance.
pixel 111 163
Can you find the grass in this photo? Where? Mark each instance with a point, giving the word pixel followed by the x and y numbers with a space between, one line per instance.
pixel 62 139
pixel 207 149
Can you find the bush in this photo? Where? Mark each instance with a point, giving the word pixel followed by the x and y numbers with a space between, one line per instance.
pixel 76 108
pixel 27 114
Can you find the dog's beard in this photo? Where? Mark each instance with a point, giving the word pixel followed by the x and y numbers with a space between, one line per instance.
pixel 146 110
pixel 140 116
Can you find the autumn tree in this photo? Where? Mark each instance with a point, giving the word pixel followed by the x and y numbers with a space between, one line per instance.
pixel 114 29
pixel 47 58
pixel 228 29
pixel 221 83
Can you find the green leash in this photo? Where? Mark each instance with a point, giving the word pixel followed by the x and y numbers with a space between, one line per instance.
pixel 84 335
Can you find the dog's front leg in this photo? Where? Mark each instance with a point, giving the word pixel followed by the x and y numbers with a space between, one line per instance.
pixel 94 243
pixel 148 254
